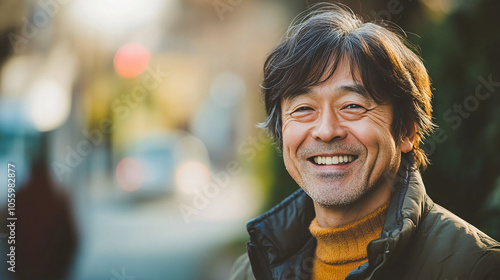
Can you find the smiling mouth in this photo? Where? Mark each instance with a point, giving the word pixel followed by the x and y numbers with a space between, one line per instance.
pixel 333 160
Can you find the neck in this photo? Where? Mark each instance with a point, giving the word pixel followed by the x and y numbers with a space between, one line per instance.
pixel 333 217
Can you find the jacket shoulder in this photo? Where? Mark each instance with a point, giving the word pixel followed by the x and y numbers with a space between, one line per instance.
pixel 242 270
pixel 443 225
pixel 453 248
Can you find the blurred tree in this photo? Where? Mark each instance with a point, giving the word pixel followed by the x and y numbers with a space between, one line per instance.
pixel 461 54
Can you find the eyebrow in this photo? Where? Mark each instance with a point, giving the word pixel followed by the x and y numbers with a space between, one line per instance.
pixel 356 88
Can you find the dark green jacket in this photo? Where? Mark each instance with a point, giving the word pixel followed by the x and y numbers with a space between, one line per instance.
pixel 419 240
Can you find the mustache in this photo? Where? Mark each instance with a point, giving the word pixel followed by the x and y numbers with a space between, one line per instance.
pixel 330 148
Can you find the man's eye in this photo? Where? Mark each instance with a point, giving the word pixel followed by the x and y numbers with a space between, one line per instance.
pixel 302 109
pixel 354 106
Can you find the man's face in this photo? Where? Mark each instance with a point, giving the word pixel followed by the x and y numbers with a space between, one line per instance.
pixel 337 141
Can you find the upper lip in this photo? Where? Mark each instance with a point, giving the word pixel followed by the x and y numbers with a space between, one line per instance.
pixel 332 155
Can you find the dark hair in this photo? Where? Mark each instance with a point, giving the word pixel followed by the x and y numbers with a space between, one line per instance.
pixel 388 69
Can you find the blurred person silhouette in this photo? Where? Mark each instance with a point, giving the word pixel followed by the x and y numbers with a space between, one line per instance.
pixel 349 103
pixel 46 238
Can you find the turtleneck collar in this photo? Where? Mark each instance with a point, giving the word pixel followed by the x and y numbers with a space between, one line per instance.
pixel 348 243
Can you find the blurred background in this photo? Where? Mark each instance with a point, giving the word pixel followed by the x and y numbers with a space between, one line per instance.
pixel 131 125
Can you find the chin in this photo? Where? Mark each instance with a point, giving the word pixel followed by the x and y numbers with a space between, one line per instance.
pixel 336 198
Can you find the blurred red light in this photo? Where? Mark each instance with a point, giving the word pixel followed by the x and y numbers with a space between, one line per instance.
pixel 129 174
pixel 131 59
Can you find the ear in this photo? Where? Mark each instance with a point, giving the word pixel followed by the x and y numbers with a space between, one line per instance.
pixel 406 144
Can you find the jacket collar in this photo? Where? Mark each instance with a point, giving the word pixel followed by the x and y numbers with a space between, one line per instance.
pixel 408 208
pixel 280 238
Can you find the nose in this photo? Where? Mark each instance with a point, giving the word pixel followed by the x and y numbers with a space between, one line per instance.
pixel 328 127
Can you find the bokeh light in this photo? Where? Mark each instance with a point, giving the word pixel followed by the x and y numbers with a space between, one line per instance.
pixel 115 18
pixel 191 176
pixel 131 60
pixel 48 105
pixel 16 74
pixel 129 174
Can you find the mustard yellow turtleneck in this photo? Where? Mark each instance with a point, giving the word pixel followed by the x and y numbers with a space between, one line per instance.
pixel 340 250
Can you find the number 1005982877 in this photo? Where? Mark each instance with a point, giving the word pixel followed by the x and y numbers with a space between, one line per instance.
pixel 11 184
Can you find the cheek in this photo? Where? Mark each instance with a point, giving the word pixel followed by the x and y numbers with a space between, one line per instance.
pixel 293 136
pixel 377 139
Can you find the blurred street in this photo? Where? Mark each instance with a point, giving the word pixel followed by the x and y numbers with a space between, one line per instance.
pixel 151 242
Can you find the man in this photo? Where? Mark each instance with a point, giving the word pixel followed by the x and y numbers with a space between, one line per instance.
pixel 349 104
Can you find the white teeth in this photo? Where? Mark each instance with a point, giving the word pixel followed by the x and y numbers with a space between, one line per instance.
pixel 334 159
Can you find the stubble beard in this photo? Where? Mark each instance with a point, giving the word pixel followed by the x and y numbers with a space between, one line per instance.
pixel 329 191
